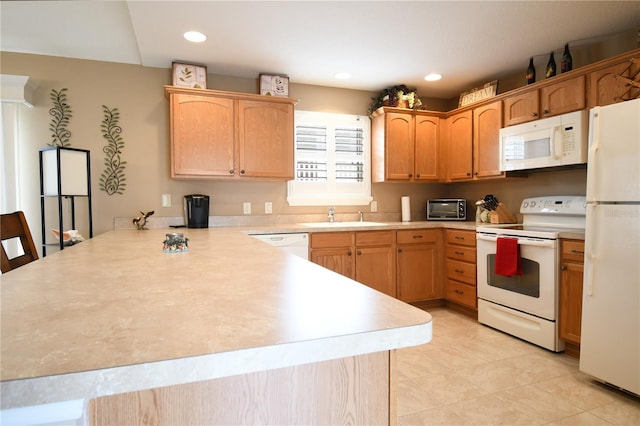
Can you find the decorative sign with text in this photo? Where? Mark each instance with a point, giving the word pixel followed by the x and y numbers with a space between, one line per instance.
pixel 489 90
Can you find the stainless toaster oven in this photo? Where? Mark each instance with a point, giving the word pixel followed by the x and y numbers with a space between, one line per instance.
pixel 447 209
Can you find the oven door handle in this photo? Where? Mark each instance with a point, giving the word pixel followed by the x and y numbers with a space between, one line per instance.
pixel 523 241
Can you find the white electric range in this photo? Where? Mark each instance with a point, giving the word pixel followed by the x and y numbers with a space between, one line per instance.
pixel 526 305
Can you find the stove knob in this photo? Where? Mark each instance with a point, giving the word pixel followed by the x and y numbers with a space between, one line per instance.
pixel 525 204
pixel 533 204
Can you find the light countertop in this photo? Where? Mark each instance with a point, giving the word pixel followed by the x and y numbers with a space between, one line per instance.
pixel 115 314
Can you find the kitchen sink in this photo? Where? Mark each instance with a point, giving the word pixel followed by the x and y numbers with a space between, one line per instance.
pixel 341 224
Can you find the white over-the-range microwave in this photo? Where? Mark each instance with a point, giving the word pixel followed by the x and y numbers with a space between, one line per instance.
pixel 550 142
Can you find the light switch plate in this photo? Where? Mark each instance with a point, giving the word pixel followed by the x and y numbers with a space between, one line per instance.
pixel 166 200
pixel 374 206
pixel 268 207
pixel 246 208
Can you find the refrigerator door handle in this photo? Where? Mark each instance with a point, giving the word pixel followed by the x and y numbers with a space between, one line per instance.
pixel 590 257
pixel 594 146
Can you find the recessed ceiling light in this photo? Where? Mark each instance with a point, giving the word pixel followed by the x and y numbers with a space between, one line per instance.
pixel 342 75
pixel 195 36
pixel 433 77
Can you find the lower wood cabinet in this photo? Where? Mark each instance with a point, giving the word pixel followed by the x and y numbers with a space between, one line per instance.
pixel 367 257
pixel 460 266
pixel 419 266
pixel 571 282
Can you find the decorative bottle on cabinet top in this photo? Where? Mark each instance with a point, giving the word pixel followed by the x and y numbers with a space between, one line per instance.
pixel 551 66
pixel 531 72
pixel 567 60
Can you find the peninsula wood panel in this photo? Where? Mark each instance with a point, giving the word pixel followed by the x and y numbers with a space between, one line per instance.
pixel 353 390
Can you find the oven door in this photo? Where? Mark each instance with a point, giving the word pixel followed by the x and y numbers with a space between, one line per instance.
pixel 533 292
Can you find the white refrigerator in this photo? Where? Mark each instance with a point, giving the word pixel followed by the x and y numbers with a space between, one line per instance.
pixel 610 340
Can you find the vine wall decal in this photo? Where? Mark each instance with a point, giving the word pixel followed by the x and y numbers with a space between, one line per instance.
pixel 112 180
pixel 61 114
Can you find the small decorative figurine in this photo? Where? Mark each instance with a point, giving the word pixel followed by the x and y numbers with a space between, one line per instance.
pixel 175 243
pixel 141 221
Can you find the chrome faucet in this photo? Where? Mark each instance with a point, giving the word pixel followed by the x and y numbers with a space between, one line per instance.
pixel 361 216
pixel 332 210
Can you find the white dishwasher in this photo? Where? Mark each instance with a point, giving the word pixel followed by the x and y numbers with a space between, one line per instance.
pixel 296 244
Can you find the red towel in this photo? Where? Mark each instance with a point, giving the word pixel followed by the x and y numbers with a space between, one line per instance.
pixel 508 261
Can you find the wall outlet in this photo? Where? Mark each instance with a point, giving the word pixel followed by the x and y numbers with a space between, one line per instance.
pixel 374 206
pixel 166 200
pixel 246 208
pixel 268 207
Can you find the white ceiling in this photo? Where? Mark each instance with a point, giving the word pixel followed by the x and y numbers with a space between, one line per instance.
pixel 381 43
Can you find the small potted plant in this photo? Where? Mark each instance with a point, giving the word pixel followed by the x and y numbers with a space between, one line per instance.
pixel 399 96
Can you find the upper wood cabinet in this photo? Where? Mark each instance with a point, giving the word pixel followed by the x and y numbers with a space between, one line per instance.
pixel 474 143
pixel 404 145
pixel 224 135
pixel 487 122
pixel 460 146
pixel 605 87
pixel 554 99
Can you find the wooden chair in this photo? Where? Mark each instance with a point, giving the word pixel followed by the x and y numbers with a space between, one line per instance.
pixel 14 225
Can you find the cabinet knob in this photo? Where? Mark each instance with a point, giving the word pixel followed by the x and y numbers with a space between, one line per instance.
pixel 241 172
pixel 534 114
pixel 231 171
pixel 410 175
pixel 562 267
pixel 546 111
pixel 418 175
pixel 349 253
pixel 468 174
pixel 359 253
pixel 399 250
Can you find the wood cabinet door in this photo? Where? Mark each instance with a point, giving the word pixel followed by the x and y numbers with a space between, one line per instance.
pixel 375 267
pixel 521 108
pixel 426 147
pixel 399 149
pixel 460 149
pixel 265 139
pixel 202 136
pixel 560 98
pixel 418 273
pixel 340 260
pixel 570 321
pixel 487 121
pixel 606 89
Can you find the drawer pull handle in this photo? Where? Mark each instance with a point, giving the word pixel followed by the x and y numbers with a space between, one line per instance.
pixel 459 271
pixel 417 236
pixel 577 251
pixel 458 291
pixel 459 238
pixel 459 253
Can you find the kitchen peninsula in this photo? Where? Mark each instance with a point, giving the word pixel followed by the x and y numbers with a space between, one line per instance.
pixel 231 331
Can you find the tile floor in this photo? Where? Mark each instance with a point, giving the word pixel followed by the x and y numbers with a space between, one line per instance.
pixel 470 374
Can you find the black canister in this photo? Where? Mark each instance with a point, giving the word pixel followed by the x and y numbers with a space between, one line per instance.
pixel 196 211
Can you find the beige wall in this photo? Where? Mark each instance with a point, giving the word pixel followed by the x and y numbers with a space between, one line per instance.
pixel 138 94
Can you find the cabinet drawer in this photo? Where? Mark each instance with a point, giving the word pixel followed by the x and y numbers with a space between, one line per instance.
pixel 461 293
pixel 416 236
pixel 573 250
pixel 462 253
pixel 374 238
pixel 461 271
pixel 331 239
pixel 456 236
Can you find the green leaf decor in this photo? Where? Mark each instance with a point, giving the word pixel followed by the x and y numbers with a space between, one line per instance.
pixel 112 180
pixel 61 114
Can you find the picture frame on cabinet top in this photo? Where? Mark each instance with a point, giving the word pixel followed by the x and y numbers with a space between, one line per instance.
pixel 274 85
pixel 189 75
